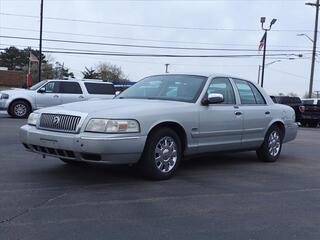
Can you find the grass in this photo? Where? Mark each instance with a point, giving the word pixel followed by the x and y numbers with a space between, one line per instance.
pixel 4 88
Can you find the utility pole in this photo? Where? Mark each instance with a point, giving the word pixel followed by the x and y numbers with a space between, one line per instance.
pixel 259 73
pixel 266 30
pixel 314 46
pixel 167 67
pixel 40 43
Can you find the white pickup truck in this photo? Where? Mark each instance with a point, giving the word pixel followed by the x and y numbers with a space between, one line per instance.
pixel 21 102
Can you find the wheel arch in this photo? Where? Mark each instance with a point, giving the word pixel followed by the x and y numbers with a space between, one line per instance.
pixel 178 128
pixel 20 99
pixel 280 125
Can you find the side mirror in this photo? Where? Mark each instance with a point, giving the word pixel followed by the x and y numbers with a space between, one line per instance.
pixel 117 93
pixel 213 98
pixel 42 90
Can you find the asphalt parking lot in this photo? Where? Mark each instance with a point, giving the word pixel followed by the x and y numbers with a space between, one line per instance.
pixel 224 196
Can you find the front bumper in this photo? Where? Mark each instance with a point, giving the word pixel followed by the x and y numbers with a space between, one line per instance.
pixel 291 131
pixel 4 104
pixel 109 148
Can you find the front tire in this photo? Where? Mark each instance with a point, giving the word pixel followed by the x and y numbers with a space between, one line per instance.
pixel 162 155
pixel 19 109
pixel 271 148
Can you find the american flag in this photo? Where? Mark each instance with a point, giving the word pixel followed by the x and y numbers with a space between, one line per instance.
pixel 262 42
pixel 33 58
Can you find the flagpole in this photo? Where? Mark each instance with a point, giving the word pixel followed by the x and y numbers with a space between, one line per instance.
pixel 264 57
pixel 29 67
pixel 40 40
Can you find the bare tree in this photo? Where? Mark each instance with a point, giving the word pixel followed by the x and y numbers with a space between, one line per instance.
pixel 292 94
pixel 111 73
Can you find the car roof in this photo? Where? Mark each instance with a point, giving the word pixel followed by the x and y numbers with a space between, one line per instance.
pixel 203 74
pixel 80 80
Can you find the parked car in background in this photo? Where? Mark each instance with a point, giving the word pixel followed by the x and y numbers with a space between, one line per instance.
pixel 162 118
pixel 294 102
pixel 121 86
pixel 21 102
pixel 311 114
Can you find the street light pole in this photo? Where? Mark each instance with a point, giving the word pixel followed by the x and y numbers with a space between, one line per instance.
pixel 40 40
pixel 167 67
pixel 314 47
pixel 266 30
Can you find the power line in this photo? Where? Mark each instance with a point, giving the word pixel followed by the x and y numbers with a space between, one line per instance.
pixel 123 54
pixel 149 25
pixel 138 39
pixel 153 47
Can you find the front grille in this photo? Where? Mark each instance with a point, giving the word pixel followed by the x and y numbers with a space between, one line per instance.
pixel 59 122
pixel 52 151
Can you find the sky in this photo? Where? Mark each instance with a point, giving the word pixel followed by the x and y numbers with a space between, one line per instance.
pixel 222 25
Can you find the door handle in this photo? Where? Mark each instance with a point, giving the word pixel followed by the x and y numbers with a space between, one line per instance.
pixel 81 96
pixel 56 96
pixel 237 113
pixel 267 113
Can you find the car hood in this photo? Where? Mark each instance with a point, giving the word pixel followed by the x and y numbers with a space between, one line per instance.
pixel 118 107
pixel 15 90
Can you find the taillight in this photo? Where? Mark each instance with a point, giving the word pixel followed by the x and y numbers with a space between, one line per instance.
pixel 301 108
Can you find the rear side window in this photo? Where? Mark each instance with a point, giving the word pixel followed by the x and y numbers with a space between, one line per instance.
pixel 296 100
pixel 70 88
pixel 258 96
pixel 99 88
pixel 245 92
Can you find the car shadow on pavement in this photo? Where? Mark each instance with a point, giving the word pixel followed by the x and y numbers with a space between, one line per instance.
pixel 97 173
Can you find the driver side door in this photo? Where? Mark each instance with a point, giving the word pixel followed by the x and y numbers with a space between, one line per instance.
pixel 50 97
pixel 221 124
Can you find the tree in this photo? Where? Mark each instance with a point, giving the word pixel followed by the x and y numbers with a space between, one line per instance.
pixel 61 72
pixel 18 59
pixel 111 73
pixel 15 59
pixel 292 94
pixel 90 73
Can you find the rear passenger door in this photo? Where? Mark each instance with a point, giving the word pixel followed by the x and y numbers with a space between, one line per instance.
pixel 71 92
pixel 256 113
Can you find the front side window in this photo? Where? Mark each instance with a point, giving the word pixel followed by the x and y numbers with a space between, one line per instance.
pixel 70 88
pixel 99 88
pixel 176 87
pixel 52 87
pixel 224 87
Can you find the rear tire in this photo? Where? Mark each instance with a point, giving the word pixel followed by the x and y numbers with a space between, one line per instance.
pixel 19 109
pixel 162 155
pixel 271 148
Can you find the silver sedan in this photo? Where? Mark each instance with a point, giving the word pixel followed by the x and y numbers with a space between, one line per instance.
pixel 161 119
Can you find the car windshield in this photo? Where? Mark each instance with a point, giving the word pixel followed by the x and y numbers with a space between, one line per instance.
pixel 184 88
pixel 36 86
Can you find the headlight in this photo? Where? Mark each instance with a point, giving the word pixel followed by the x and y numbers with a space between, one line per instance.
pixel 112 126
pixel 4 96
pixel 33 118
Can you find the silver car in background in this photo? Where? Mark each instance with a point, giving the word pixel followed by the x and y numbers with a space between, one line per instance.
pixel 20 102
pixel 161 119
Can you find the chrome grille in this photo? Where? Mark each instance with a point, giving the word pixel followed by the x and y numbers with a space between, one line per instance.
pixel 59 122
